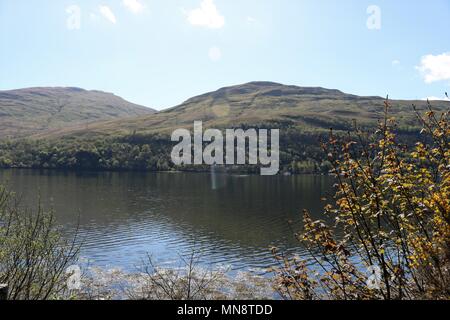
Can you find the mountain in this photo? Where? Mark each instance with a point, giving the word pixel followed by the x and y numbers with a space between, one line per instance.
pixel 303 115
pixel 260 103
pixel 30 111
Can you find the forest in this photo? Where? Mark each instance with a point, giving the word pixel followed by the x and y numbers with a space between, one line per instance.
pixel 300 152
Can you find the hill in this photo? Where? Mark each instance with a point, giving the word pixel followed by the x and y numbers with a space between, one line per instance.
pixel 303 115
pixel 259 103
pixel 25 112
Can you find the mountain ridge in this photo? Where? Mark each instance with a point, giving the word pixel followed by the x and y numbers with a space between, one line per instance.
pixel 304 116
pixel 253 103
pixel 256 103
pixel 29 111
pixel 255 85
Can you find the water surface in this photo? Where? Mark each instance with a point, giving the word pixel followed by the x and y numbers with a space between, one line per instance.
pixel 232 220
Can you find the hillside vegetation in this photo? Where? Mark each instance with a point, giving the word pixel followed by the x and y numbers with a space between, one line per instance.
pixel 303 115
pixel 25 112
pixel 256 104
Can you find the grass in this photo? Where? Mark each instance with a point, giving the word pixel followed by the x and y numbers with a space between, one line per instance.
pixel 31 111
pixel 255 104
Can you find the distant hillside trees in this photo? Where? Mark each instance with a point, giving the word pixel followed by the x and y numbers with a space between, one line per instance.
pixel 300 152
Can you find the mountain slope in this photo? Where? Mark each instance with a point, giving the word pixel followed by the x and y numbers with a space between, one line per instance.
pixel 303 115
pixel 25 112
pixel 260 103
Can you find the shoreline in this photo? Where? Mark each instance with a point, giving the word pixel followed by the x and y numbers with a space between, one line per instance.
pixel 241 173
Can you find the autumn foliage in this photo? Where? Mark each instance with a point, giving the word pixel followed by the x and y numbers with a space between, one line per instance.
pixel 391 236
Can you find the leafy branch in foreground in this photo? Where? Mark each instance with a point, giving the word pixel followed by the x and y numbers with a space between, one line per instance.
pixel 391 237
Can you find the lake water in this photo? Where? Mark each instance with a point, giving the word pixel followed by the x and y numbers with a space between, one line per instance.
pixel 232 220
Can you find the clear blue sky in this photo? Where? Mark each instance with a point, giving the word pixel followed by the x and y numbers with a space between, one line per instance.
pixel 160 52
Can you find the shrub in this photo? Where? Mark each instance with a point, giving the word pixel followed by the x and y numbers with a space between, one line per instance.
pixel 391 236
pixel 33 255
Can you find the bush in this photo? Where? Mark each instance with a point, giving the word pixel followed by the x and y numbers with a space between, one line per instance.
pixel 33 255
pixel 391 236
pixel 189 281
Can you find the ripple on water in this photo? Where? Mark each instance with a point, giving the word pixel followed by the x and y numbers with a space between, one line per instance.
pixel 124 216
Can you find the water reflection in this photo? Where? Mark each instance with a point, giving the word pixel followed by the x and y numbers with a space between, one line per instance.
pixel 231 219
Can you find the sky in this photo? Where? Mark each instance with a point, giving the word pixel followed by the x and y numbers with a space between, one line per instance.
pixel 159 53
